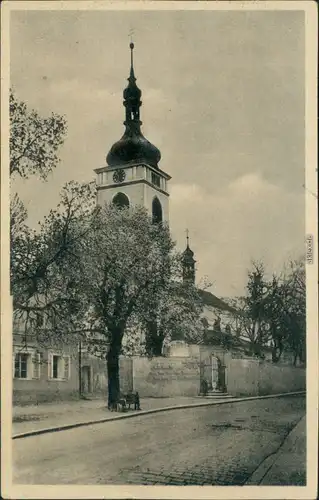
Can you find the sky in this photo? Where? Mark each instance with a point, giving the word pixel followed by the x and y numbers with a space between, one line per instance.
pixel 223 100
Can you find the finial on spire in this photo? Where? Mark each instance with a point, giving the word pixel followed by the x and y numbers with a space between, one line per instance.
pixel 132 48
pixel 187 237
pixel 188 262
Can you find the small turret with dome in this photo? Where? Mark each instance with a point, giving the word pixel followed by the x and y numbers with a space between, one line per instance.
pixel 133 147
pixel 188 263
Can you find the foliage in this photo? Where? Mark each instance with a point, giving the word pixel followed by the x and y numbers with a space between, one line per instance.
pixel 285 311
pixel 123 260
pixel 34 144
pixel 274 311
pixel 42 283
pixel 248 316
pixel 34 141
pixel 101 274
pixel 173 312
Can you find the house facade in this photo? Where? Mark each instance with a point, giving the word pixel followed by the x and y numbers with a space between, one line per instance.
pixel 45 373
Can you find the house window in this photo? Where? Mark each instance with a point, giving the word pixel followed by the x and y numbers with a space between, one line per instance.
pixel 56 361
pixel 59 367
pixel 21 365
pixel 26 363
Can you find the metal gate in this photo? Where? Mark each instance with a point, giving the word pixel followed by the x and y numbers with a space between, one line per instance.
pixel 212 374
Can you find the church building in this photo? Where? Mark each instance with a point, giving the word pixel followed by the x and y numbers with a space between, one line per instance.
pixel 132 177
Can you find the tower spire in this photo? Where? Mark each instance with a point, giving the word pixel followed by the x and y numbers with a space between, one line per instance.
pixel 132 99
pixel 132 146
pixel 188 263
pixel 187 238
pixel 132 64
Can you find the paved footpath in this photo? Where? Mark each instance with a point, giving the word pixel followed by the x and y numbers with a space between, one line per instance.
pixel 36 417
pixel 212 445
pixel 288 465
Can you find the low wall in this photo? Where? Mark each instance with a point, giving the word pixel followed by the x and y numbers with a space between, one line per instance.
pixel 247 377
pixel 280 378
pixel 126 374
pixel 166 377
pixel 242 377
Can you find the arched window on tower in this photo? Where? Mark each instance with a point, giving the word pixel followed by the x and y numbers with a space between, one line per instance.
pixel 157 212
pixel 120 200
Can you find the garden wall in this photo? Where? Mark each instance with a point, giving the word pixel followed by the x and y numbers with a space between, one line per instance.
pixel 280 378
pixel 256 378
pixel 166 377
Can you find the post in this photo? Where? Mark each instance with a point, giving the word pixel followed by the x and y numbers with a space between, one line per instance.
pixel 80 369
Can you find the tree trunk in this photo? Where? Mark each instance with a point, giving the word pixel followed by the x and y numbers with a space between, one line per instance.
pixel 112 363
pixel 280 352
pixel 157 346
pixel 154 340
pixel 255 348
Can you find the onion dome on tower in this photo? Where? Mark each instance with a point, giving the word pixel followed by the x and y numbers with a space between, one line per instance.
pixel 133 147
pixel 188 263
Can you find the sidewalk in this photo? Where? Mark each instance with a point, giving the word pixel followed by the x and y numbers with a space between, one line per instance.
pixel 35 417
pixel 46 416
pixel 287 467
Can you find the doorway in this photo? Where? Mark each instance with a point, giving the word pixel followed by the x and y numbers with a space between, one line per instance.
pixel 215 373
pixel 86 379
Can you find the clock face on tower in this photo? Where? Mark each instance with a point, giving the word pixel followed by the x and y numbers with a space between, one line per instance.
pixel 119 175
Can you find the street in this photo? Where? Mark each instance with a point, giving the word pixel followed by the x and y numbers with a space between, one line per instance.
pixel 215 445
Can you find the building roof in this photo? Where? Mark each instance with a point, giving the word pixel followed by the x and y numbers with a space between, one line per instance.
pixel 133 146
pixel 210 299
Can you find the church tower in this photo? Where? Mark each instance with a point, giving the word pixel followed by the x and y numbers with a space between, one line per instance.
pixel 132 175
pixel 188 263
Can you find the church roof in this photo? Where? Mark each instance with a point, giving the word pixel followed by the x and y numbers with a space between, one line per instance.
pixel 210 299
pixel 133 147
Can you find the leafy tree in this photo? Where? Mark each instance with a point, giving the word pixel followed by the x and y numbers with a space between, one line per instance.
pixel 248 316
pixel 255 307
pixel 42 284
pixel 274 311
pixel 286 311
pixel 121 261
pixel 34 145
pixel 34 141
pixel 173 312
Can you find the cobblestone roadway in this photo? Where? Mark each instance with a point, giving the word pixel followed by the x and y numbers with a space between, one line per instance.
pixel 219 445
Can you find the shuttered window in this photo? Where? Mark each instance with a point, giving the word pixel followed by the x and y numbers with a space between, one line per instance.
pixel 21 365
pixel 36 364
pixel 56 360
pixel 59 366
pixel 26 364
pixel 67 367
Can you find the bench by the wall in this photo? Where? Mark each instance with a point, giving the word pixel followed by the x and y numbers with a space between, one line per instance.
pixel 126 400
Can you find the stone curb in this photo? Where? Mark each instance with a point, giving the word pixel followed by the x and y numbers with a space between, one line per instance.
pixel 148 412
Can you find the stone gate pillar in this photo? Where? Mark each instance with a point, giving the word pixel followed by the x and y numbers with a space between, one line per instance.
pixel 178 348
